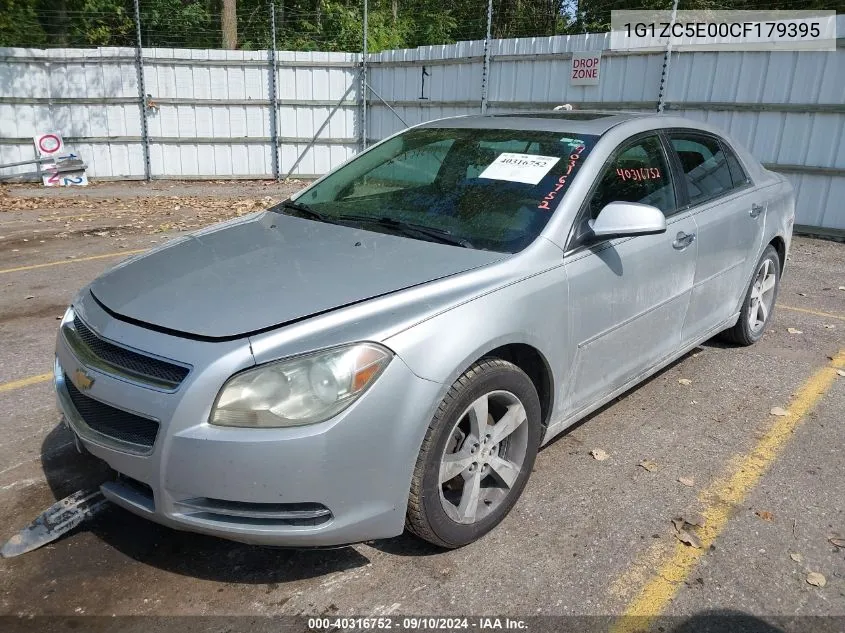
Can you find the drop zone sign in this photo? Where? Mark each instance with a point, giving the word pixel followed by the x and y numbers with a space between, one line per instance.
pixel 585 69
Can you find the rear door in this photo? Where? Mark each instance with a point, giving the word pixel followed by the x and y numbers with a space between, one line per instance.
pixel 629 295
pixel 717 192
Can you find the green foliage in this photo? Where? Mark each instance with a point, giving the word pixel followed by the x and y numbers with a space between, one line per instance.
pixel 19 24
pixel 325 25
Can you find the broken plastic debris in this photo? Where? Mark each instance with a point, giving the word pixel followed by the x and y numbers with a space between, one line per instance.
pixel 60 518
pixel 684 381
pixel 685 536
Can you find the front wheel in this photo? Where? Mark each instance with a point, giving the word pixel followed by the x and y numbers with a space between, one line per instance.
pixel 476 456
pixel 759 301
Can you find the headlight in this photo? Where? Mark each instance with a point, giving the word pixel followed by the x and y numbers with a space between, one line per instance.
pixel 300 390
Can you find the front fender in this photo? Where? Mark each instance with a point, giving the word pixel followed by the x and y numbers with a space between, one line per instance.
pixel 530 312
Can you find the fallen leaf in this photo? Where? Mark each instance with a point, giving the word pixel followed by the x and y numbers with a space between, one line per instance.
pixel 687 481
pixel 765 515
pixel 816 579
pixel 599 455
pixel 792 330
pixel 679 522
pixel 684 381
pixel 797 557
pixel 779 411
pixel 649 465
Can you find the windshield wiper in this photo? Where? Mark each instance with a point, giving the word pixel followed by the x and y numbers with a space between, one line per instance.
pixel 306 211
pixel 440 235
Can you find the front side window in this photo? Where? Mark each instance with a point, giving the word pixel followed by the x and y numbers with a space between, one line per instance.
pixel 490 189
pixel 638 172
pixel 704 165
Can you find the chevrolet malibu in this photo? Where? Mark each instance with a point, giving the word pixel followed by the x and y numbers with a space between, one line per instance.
pixel 389 348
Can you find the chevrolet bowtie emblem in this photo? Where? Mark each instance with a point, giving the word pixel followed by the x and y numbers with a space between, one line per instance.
pixel 82 380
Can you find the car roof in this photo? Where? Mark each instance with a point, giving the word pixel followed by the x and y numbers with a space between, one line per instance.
pixel 579 121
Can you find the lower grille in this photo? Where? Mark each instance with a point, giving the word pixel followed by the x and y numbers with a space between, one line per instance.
pixel 112 422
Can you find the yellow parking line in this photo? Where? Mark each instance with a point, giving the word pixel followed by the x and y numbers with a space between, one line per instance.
pixel 25 382
pixel 826 315
pixel 70 261
pixel 720 498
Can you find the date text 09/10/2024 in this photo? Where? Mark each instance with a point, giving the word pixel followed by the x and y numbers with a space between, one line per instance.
pixel 417 623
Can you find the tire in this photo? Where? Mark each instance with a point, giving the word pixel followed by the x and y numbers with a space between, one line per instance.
pixel 757 302
pixel 490 470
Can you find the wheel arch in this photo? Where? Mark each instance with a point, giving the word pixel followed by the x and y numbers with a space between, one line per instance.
pixel 530 360
pixel 779 245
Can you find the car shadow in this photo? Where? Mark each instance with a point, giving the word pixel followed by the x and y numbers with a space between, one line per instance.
pixel 184 553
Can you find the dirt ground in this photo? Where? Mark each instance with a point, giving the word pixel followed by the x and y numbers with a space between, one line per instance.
pixel 589 537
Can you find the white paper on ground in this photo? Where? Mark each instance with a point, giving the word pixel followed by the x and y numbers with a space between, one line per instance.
pixel 527 168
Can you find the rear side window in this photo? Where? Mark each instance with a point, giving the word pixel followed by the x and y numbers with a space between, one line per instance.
pixel 704 165
pixel 738 175
pixel 637 173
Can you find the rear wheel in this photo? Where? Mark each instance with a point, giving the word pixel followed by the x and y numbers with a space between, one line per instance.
pixel 476 456
pixel 759 301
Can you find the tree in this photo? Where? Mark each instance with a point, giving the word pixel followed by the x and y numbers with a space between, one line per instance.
pixel 229 24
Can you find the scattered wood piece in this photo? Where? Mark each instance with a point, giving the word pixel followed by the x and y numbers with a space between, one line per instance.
pixel 649 465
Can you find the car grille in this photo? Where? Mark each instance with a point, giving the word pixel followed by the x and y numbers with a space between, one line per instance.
pixel 133 362
pixel 112 422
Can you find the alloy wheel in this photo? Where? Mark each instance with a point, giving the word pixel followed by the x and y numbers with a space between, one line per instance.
pixel 483 457
pixel 762 295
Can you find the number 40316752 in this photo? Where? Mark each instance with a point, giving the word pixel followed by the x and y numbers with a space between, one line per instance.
pixel 640 173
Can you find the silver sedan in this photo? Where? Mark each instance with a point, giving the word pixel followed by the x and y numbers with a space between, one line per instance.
pixel 390 348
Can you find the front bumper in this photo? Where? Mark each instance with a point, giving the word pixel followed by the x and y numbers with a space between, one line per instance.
pixel 341 481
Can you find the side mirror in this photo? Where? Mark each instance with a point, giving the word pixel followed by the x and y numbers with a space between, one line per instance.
pixel 620 219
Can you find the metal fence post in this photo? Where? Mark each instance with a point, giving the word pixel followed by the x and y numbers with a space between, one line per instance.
pixel 485 67
pixel 667 60
pixel 142 93
pixel 363 91
pixel 274 113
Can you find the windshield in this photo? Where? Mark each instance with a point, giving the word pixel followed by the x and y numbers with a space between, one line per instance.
pixel 487 189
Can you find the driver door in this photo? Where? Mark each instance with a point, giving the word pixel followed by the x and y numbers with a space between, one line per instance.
pixel 628 296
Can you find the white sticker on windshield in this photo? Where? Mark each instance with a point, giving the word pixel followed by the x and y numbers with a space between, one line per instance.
pixel 527 168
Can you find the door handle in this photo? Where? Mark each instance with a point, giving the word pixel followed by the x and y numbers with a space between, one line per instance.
pixel 756 209
pixel 682 240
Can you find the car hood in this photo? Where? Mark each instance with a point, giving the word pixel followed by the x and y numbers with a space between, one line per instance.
pixel 253 274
